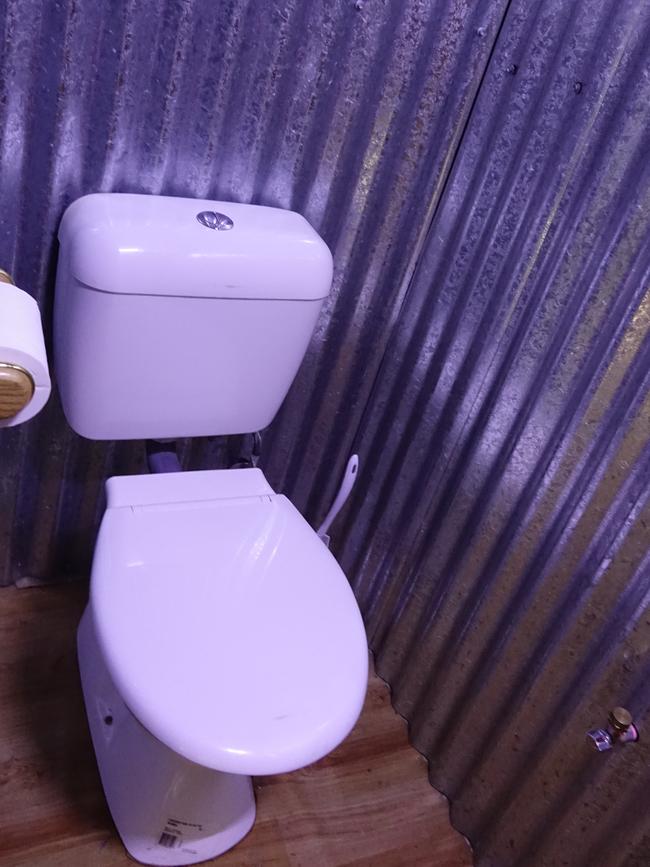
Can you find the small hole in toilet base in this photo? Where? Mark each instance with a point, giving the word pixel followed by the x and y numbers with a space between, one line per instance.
pixel 108 720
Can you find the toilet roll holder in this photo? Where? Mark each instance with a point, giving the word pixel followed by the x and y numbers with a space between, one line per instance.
pixel 18 388
pixel 16 383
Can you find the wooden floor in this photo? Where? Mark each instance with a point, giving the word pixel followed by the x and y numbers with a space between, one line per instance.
pixel 368 803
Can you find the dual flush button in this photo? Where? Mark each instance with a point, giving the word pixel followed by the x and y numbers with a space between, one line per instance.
pixel 215 220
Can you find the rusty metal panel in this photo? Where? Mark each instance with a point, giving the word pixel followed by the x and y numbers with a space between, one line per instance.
pixel 498 536
pixel 347 111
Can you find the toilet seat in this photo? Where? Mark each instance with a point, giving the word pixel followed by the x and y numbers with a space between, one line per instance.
pixel 227 626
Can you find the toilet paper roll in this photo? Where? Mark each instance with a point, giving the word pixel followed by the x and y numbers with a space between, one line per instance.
pixel 22 351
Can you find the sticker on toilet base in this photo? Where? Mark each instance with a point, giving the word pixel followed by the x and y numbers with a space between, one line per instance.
pixel 170 839
pixel 172 835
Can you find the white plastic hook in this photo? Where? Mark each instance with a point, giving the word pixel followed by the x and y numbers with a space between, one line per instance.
pixel 347 483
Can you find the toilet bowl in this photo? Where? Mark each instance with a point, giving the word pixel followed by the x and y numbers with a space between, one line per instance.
pixel 221 639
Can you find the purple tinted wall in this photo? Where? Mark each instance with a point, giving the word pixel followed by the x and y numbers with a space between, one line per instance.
pixel 480 171
pixel 348 112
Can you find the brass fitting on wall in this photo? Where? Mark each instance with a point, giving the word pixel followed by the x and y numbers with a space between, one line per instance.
pixel 621 730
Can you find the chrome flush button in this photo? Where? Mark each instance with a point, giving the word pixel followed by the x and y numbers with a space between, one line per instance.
pixel 215 220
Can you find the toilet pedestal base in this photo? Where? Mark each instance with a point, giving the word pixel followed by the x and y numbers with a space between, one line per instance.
pixel 167 809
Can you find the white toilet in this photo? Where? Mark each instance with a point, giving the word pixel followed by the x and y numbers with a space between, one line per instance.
pixel 221 639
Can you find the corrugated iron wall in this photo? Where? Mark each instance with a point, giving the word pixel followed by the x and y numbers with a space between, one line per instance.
pixel 498 539
pixel 349 112
pixel 480 171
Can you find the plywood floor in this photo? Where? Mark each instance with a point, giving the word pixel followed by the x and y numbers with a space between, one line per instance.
pixel 368 803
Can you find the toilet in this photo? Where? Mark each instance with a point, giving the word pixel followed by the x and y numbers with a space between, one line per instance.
pixel 221 639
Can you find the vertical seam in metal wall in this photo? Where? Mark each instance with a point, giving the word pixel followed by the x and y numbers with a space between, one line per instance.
pixel 436 200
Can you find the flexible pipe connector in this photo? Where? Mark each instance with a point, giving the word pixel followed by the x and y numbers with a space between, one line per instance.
pixel 347 483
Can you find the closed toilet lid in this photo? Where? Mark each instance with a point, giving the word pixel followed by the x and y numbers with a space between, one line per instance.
pixel 227 626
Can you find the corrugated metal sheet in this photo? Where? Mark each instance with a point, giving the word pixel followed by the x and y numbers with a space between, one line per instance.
pixel 498 538
pixel 480 171
pixel 347 111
